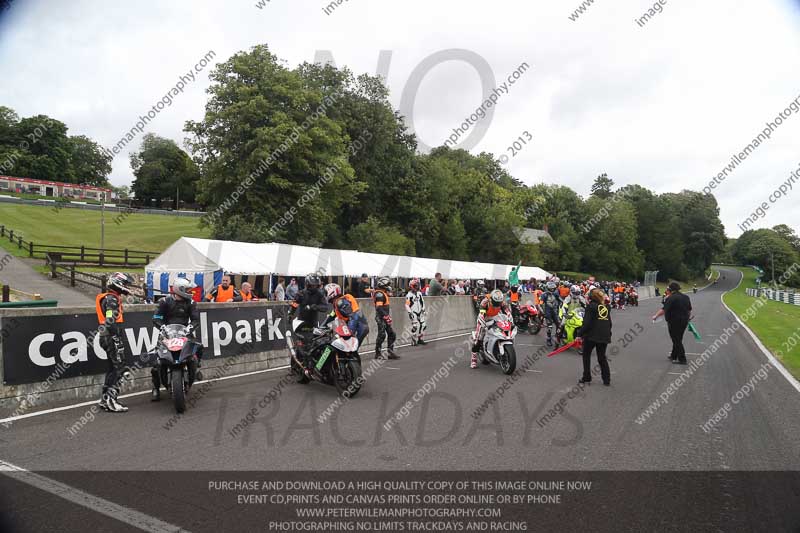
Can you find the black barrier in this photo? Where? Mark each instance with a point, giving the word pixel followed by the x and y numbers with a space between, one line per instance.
pixel 43 344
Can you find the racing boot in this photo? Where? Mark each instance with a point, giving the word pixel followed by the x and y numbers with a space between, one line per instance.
pixel 473 362
pixel 103 403
pixel 155 393
pixel 113 405
pixel 391 354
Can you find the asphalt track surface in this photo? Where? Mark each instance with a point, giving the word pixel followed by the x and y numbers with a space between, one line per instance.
pixel 600 428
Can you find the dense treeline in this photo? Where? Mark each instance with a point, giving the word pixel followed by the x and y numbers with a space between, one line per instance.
pixel 38 147
pixel 773 250
pixel 263 128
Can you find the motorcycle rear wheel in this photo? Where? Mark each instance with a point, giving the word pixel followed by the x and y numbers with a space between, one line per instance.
pixel 348 378
pixel 508 361
pixel 178 391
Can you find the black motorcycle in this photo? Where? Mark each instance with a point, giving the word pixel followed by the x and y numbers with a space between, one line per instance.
pixel 334 358
pixel 177 363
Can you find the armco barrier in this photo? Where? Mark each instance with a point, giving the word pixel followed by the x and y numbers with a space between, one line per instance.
pixel 787 297
pixel 50 356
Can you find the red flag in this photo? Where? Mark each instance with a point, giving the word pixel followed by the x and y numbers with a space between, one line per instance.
pixel 577 343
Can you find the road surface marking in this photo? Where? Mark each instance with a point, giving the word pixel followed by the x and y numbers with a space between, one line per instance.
pixel 536 371
pixel 675 373
pixel 142 393
pixel 89 501
pixel 777 364
pixel 392 368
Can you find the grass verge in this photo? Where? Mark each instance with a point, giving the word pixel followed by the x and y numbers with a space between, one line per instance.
pixel 773 324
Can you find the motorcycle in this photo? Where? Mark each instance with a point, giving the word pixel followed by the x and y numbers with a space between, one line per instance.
pixel 334 354
pixel 571 325
pixel 498 344
pixel 528 318
pixel 177 362
pixel 633 299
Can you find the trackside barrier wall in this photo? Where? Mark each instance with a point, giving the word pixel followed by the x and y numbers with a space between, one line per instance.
pixel 786 297
pixel 52 356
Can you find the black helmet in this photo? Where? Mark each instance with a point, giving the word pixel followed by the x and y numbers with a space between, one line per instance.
pixel 514 288
pixel 384 283
pixel 344 307
pixel 120 282
pixel 313 281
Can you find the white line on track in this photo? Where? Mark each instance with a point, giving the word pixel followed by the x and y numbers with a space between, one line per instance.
pixel 89 501
pixel 535 371
pixel 142 393
pixel 771 358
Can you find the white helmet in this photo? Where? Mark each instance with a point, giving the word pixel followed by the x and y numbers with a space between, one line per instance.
pixel 183 287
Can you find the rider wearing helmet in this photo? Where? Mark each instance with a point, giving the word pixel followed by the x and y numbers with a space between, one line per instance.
pixel 110 318
pixel 573 301
pixel 305 306
pixel 551 302
pixel 415 306
pixel 479 294
pixel 491 306
pixel 383 317
pixel 178 308
pixel 346 309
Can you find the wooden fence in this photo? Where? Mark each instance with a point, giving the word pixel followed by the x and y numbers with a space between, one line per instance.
pixel 81 255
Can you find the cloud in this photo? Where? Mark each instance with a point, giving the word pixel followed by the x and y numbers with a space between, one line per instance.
pixel 665 105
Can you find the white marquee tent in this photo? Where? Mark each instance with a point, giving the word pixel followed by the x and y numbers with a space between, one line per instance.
pixel 205 260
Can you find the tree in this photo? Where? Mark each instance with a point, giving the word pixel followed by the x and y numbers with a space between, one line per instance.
pixel 266 133
pixel 163 171
pixel 376 237
pixel 789 235
pixel 602 186
pixel 89 165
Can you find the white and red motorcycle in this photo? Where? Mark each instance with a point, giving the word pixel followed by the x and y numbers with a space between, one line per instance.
pixel 498 343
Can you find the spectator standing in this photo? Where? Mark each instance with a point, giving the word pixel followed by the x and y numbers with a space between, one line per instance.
pixel 596 334
pixel 280 292
pixel 292 289
pixel 224 292
pixel 436 287
pixel 360 288
pixel 677 311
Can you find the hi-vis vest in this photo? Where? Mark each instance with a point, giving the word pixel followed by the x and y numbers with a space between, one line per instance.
pixel 514 297
pixel 385 295
pixel 223 295
pixel 101 315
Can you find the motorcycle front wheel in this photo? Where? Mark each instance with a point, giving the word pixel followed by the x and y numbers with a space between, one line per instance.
pixel 178 392
pixel 348 378
pixel 508 361
pixel 534 327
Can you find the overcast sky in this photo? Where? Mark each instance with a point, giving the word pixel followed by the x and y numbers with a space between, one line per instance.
pixel 665 105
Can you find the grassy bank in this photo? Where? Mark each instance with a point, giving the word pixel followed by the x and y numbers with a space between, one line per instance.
pixel 76 227
pixel 773 324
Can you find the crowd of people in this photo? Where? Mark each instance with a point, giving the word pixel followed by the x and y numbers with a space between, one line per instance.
pixel 555 299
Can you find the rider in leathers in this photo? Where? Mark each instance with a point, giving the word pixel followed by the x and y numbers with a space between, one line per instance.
pixel 491 306
pixel 110 318
pixel 479 294
pixel 307 303
pixel 415 306
pixel 383 318
pixel 179 308
pixel 551 302
pixel 575 300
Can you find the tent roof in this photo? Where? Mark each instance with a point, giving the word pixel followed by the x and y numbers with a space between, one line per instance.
pixel 207 255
